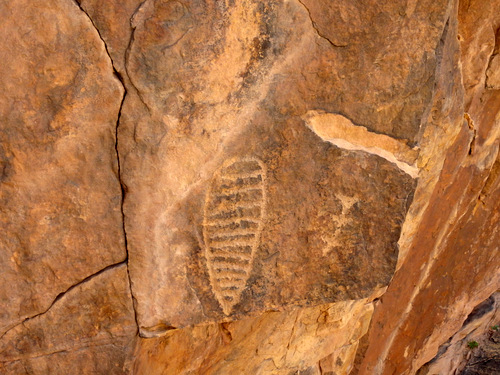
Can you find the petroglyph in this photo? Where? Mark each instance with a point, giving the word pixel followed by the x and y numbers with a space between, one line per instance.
pixel 339 222
pixel 233 220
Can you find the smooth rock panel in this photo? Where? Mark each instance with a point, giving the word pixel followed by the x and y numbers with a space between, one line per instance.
pixel 220 82
pixel 60 198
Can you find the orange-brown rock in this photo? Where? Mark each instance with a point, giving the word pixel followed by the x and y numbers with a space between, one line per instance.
pixel 249 187
pixel 474 348
pixel 88 330
pixel 218 252
pixel 60 196
pixel 64 308
pixel 273 343
pixel 449 268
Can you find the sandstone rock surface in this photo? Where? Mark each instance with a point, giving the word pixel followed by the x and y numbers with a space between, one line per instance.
pixel 89 330
pixel 273 343
pixel 60 214
pixel 310 218
pixel 221 187
pixel 474 348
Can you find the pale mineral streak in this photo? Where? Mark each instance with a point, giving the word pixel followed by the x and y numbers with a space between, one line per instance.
pixel 341 132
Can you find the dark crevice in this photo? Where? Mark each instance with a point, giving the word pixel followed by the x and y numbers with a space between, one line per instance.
pixel 123 187
pixel 62 294
pixel 472 128
pixel 317 30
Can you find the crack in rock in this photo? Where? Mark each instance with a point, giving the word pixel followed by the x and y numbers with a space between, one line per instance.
pixel 317 30
pixel 63 293
pixel 122 185
pixel 75 348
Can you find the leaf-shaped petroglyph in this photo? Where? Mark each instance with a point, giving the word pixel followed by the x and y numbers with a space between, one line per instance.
pixel 233 220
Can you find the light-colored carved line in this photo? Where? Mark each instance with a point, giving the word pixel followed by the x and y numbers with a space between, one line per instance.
pixel 239 196
pixel 219 237
pixel 243 176
pixel 237 232
pixel 233 259
pixel 237 211
pixel 230 232
pixel 240 189
pixel 233 226
pixel 234 215
pixel 235 189
pixel 230 272
pixel 225 282
pixel 236 221
pixel 241 170
pixel 230 220
pixel 230 206
pixel 239 163
pixel 219 253
pixel 245 195
pixel 232 248
pixel 231 186
pixel 230 261
pixel 232 242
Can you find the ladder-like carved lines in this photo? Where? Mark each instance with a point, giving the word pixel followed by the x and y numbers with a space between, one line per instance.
pixel 233 221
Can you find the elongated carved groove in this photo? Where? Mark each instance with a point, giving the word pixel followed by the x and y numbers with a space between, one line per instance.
pixel 233 220
pixel 341 132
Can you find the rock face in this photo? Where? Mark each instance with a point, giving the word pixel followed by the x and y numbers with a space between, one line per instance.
pixel 249 346
pixel 60 197
pixel 474 348
pixel 228 232
pixel 220 187
pixel 88 330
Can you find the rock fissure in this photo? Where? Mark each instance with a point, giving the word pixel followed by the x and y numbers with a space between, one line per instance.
pixel 119 77
pixel 472 128
pixel 36 356
pixel 316 28
pixel 61 295
pixel 123 192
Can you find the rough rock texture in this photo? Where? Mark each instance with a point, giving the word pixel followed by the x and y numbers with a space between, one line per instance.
pixel 450 263
pixel 474 348
pixel 89 330
pixel 249 187
pixel 274 343
pixel 60 196
pixel 207 238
